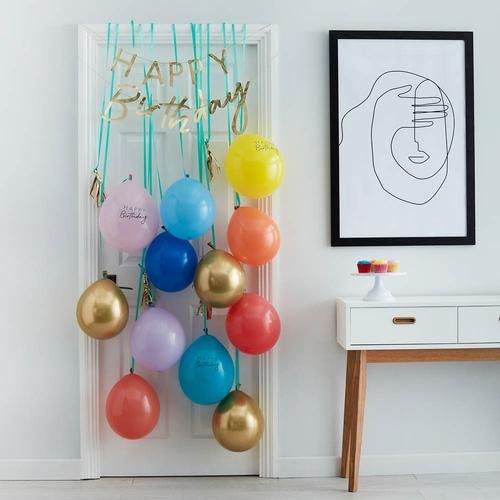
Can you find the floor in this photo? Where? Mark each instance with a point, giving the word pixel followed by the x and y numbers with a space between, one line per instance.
pixel 428 487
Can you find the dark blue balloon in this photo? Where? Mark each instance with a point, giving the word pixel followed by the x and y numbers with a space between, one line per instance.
pixel 170 263
pixel 206 371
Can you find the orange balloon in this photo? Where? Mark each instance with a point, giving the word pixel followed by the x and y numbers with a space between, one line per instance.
pixel 132 407
pixel 253 237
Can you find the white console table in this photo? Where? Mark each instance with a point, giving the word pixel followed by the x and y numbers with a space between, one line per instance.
pixel 412 329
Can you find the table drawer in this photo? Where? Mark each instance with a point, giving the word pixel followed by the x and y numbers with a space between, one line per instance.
pixel 404 325
pixel 478 324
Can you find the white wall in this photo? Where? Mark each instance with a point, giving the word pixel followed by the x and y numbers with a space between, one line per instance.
pixel 418 409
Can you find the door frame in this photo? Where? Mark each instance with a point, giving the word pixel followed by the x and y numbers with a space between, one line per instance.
pixel 90 37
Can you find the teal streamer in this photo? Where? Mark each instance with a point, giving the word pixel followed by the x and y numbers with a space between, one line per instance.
pixel 227 88
pixel 151 127
pixel 200 55
pixel 202 152
pixel 138 301
pixel 158 178
pixel 207 140
pixel 235 54
pixel 205 328
pixel 139 285
pixel 237 369
pixel 237 199
pixel 243 63
pixel 181 141
pixel 108 126
pixel 209 116
pixel 197 102
pixel 144 135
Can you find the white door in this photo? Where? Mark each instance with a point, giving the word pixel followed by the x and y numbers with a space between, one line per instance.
pixel 182 442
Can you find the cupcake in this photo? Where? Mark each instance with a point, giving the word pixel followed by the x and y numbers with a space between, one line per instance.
pixel 380 266
pixel 372 264
pixel 393 266
pixel 364 266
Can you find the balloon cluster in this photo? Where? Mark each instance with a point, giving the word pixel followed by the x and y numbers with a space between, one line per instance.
pixel 129 221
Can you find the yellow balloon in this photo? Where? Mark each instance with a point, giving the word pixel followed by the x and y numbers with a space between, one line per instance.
pixel 253 166
pixel 102 311
pixel 219 279
pixel 237 422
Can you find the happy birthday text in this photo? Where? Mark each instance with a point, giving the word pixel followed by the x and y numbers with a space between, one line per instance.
pixel 173 111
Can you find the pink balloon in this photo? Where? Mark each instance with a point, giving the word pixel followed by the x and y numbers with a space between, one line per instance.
pixel 129 217
pixel 157 340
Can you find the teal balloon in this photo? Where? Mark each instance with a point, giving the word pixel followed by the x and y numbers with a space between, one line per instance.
pixel 206 371
pixel 187 209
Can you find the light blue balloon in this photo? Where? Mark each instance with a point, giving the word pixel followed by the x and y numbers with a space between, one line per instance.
pixel 187 209
pixel 206 371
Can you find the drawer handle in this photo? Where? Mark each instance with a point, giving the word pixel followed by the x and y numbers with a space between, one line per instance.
pixel 404 320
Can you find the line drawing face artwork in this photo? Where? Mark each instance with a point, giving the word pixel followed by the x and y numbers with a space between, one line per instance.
pixel 412 127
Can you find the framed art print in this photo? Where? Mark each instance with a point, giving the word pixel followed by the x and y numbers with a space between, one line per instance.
pixel 402 138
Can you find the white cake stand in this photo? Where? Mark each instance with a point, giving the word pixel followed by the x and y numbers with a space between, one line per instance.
pixel 379 293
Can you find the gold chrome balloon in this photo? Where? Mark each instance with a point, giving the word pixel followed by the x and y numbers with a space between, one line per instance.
pixel 102 311
pixel 219 279
pixel 237 423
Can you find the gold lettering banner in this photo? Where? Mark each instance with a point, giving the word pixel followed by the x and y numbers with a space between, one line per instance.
pixel 173 68
pixel 174 112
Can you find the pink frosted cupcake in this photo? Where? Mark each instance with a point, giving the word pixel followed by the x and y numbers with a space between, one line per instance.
pixel 380 266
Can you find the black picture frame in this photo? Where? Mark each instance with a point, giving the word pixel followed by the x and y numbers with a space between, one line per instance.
pixel 470 237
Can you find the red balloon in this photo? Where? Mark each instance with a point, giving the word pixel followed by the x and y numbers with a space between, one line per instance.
pixel 253 325
pixel 132 407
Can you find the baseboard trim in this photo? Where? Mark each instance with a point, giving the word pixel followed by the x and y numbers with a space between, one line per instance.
pixel 42 469
pixel 381 465
pixel 329 466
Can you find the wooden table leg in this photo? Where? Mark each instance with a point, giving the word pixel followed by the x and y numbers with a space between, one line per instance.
pixel 359 393
pixel 348 413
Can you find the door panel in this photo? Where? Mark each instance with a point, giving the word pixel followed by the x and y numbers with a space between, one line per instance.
pixel 182 442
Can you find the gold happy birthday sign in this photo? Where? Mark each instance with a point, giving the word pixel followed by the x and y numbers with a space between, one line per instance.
pixel 172 111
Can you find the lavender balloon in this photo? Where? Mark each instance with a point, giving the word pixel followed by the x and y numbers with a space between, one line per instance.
pixel 157 340
pixel 129 217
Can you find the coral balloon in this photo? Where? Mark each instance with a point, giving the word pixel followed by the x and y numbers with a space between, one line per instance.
pixel 132 407
pixel 253 237
pixel 187 209
pixel 219 280
pixel 170 263
pixel 206 371
pixel 253 166
pixel 129 218
pixel 102 310
pixel 237 422
pixel 157 340
pixel 253 325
